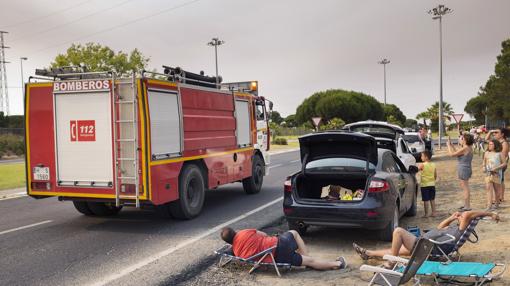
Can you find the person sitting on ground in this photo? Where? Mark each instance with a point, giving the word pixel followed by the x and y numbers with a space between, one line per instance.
pixel 403 241
pixel 428 183
pixel 290 248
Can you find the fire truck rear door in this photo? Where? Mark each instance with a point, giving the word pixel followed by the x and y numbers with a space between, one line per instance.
pixel 84 144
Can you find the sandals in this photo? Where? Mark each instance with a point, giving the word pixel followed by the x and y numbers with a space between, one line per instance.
pixel 343 262
pixel 361 251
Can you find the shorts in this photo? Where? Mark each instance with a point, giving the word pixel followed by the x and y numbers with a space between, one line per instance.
pixel 428 193
pixel 464 173
pixel 286 250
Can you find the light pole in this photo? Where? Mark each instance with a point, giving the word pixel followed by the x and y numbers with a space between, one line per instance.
pixel 438 13
pixel 215 42
pixel 384 62
pixel 22 80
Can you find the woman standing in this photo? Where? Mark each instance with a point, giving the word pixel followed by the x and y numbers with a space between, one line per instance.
pixel 464 157
pixel 493 163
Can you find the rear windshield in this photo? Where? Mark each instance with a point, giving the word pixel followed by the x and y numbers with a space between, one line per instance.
pixel 338 165
pixel 374 129
pixel 411 138
pixel 386 144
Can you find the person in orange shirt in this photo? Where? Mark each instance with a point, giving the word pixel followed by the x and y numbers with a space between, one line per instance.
pixel 290 248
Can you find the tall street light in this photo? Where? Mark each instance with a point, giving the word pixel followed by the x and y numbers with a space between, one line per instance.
pixel 22 80
pixel 215 42
pixel 437 14
pixel 384 62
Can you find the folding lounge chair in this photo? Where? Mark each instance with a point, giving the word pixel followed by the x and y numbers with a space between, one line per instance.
pixel 439 254
pixel 474 272
pixel 404 269
pixel 227 255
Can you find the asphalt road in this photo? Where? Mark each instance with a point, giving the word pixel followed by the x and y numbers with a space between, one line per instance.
pixel 47 242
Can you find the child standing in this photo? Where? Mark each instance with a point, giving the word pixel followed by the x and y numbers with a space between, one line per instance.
pixel 428 183
pixel 493 164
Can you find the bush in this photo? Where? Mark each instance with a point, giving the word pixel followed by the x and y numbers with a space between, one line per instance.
pixel 11 144
pixel 280 141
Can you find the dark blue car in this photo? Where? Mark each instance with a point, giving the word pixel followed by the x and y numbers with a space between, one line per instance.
pixel 352 161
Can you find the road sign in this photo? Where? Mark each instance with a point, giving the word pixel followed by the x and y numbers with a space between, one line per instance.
pixel 316 121
pixel 458 117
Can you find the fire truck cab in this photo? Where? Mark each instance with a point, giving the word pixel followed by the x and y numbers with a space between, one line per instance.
pixel 151 139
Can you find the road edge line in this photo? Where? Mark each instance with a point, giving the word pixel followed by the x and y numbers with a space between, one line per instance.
pixel 24 227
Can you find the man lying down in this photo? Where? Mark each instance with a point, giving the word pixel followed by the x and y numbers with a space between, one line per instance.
pixel 290 248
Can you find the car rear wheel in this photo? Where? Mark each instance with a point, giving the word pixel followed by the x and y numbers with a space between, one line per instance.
pixel 387 233
pixel 301 229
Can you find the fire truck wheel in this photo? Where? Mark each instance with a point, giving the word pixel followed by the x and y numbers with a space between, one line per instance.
pixel 82 207
pixel 191 193
pixel 253 184
pixel 103 209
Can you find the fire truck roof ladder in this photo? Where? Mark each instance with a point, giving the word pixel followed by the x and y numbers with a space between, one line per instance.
pixel 126 141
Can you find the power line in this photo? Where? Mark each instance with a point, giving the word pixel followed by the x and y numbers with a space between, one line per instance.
pixel 47 15
pixel 39 33
pixel 119 26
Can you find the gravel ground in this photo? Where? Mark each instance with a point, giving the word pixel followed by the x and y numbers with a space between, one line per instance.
pixel 494 245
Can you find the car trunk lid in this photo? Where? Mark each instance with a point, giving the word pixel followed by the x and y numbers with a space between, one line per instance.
pixel 338 144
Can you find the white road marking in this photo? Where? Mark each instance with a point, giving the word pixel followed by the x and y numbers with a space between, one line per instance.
pixel 26 226
pixel 295 161
pixel 275 166
pixel 159 255
pixel 13 196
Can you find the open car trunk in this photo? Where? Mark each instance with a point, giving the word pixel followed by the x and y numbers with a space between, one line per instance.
pixel 314 188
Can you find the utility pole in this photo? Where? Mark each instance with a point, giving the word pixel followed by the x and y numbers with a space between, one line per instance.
pixel 384 62
pixel 4 89
pixel 22 80
pixel 215 42
pixel 437 14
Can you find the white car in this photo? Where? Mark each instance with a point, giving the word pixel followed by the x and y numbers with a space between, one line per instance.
pixel 388 136
pixel 415 143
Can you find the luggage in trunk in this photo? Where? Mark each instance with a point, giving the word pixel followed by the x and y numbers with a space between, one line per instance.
pixel 311 187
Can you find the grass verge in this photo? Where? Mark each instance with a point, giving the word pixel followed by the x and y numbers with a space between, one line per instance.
pixel 12 176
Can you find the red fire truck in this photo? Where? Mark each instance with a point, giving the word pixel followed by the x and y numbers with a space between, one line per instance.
pixel 145 140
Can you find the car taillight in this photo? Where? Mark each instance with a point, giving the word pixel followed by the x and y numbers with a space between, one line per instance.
pixel 377 186
pixel 287 186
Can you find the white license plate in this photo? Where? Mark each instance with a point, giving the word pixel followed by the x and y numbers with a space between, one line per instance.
pixel 42 173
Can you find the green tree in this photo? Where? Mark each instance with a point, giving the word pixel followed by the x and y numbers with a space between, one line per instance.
pixel 290 121
pixel 397 115
pixel 432 113
pixel 351 106
pixel 391 119
pixel 411 123
pixel 496 91
pixel 276 117
pixel 333 124
pixel 101 58
pixel 476 107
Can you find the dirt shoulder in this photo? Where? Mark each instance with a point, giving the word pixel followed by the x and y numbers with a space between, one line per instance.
pixel 494 244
